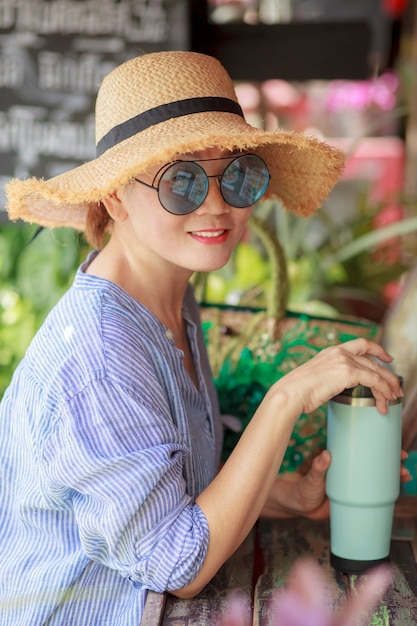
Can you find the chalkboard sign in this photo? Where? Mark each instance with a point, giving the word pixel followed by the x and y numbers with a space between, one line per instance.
pixel 53 56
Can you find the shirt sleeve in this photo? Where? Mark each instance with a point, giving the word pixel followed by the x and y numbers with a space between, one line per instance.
pixel 116 465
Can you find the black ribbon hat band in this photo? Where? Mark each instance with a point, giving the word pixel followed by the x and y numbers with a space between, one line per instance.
pixel 163 113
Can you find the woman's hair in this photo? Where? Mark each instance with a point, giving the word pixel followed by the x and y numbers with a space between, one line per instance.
pixel 98 224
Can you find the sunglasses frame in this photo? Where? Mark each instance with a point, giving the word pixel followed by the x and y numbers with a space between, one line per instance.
pixel 197 162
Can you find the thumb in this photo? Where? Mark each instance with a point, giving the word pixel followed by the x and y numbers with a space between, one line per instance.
pixel 319 467
pixel 312 488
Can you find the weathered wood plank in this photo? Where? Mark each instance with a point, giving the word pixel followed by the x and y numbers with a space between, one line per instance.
pixel 406 506
pixel 154 609
pixel 236 576
pixel 283 542
pixel 280 543
pixel 399 605
pixel 406 518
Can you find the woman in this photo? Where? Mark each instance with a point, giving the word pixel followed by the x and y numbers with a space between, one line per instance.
pixel 110 428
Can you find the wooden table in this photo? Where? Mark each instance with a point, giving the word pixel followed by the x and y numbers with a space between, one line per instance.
pixel 262 563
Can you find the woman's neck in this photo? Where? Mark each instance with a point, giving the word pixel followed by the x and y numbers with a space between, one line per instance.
pixel 157 285
pixel 160 290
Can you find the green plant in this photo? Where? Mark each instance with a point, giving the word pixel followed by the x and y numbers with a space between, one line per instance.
pixel 326 259
pixel 36 268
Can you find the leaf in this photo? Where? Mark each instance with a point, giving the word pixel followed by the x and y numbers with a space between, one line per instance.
pixel 251 267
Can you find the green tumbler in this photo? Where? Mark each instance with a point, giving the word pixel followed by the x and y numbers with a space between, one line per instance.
pixel 363 480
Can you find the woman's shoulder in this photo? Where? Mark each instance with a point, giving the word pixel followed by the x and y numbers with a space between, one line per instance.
pixel 95 323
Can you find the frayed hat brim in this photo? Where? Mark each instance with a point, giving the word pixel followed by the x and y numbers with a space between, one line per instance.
pixel 303 169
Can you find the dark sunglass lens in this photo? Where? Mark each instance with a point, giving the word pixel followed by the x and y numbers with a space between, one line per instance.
pixel 245 181
pixel 183 187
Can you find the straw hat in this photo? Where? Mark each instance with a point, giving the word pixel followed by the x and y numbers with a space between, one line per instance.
pixel 155 107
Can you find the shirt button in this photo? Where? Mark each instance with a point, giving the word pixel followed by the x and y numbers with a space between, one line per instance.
pixel 169 335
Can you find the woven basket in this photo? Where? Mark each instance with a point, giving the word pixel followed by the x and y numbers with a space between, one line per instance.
pixel 250 349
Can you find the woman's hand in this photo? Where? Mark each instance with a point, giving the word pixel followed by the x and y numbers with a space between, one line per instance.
pixel 295 495
pixel 339 367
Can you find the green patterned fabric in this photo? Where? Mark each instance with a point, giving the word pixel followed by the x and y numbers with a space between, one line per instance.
pixel 247 364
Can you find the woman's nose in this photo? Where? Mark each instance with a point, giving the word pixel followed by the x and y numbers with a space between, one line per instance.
pixel 214 201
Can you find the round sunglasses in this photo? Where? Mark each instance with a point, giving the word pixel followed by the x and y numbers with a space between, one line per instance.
pixel 183 185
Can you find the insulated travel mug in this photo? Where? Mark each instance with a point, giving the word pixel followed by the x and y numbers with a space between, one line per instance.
pixel 363 480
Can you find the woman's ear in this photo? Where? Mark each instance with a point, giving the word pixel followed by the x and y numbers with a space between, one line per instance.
pixel 115 207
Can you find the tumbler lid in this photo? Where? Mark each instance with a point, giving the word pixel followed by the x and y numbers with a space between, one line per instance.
pixel 361 396
pixel 357 392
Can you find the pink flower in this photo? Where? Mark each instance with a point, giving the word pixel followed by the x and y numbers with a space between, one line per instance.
pixel 305 600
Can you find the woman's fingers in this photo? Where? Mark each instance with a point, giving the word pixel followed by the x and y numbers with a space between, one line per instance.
pixel 309 490
pixel 359 359
pixel 405 474
pixel 339 367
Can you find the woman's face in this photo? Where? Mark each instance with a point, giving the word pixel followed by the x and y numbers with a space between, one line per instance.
pixel 199 241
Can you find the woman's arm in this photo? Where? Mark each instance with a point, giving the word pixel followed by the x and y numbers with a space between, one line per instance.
pixel 298 494
pixel 236 497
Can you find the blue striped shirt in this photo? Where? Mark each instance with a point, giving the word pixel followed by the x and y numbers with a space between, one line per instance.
pixel 105 443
